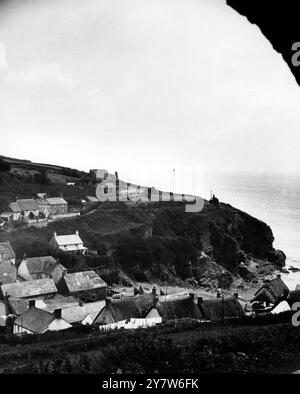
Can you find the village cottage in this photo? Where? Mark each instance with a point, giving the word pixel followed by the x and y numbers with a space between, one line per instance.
pixel 178 308
pixel 86 285
pixel 41 268
pixel 68 243
pixel 129 313
pixel 220 308
pixel 38 321
pixel 52 206
pixel 25 209
pixel 270 293
pixel 29 289
pixel 7 216
pixel 72 310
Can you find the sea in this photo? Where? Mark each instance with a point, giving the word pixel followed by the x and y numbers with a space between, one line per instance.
pixel 272 198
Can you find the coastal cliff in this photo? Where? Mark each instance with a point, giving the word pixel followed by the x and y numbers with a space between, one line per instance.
pixel 157 242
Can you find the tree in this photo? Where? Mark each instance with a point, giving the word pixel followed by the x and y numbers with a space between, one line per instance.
pixel 42 177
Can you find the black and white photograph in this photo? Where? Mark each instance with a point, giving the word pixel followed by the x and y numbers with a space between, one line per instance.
pixel 149 190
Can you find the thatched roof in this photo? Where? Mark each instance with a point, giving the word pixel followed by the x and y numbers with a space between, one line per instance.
pixel 272 291
pixel 220 308
pixel 178 308
pixel 133 307
pixel 123 310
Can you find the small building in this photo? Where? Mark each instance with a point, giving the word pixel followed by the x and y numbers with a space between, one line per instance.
pixel 7 216
pixel 38 321
pixel 25 209
pixel 57 206
pixel 7 252
pixel 271 292
pixel 74 315
pixel 220 308
pixel 16 211
pixel 41 268
pixel 29 289
pixel 68 243
pixel 138 307
pixel 86 285
pixel 17 306
pixel 178 308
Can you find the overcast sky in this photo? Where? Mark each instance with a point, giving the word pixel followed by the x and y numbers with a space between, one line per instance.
pixel 129 85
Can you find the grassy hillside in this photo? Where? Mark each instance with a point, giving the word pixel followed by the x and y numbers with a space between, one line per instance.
pixel 23 179
pixel 182 347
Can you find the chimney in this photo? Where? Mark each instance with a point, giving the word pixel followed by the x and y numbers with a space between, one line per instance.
pixel 55 234
pixel 31 303
pixel 278 276
pixel 218 294
pixel 57 313
pixel 107 301
pixel 154 291
pixel 236 295
pixel 25 256
pixel 77 232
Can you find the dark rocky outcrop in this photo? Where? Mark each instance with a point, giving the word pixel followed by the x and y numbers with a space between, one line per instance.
pixel 278 21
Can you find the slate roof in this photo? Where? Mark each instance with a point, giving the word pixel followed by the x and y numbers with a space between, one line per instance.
pixel 271 291
pixel 85 280
pixel 36 264
pixel 6 251
pixel 71 239
pixel 56 201
pixel 73 314
pixel 179 308
pixel 93 307
pixel 27 204
pixel 221 308
pixel 60 302
pixel 20 305
pixel 6 214
pixel 14 207
pixel 44 264
pixel 35 320
pixel 30 288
